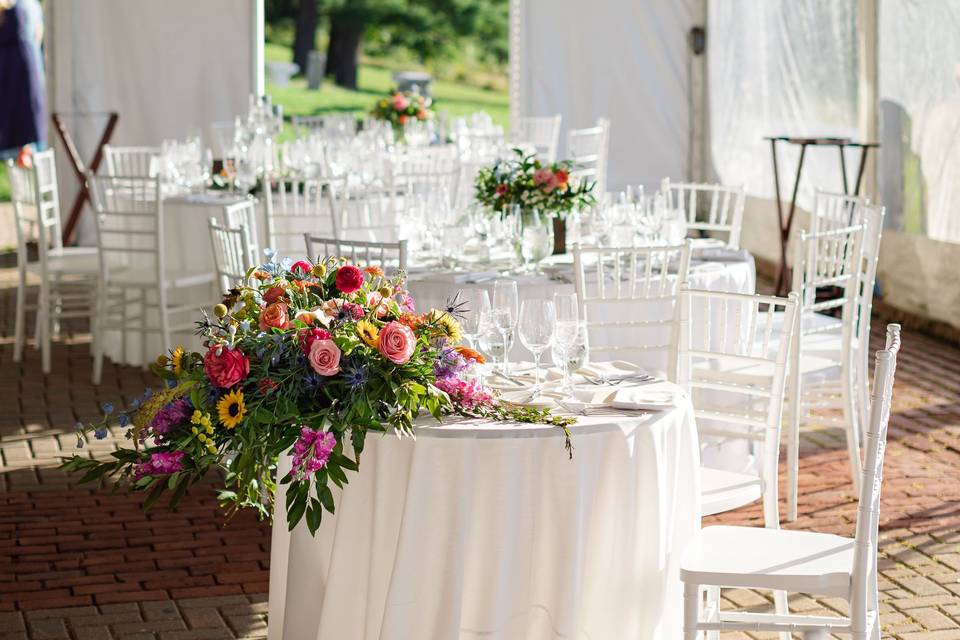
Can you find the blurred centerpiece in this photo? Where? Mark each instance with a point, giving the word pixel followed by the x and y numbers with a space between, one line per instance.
pixel 302 358
pixel 403 110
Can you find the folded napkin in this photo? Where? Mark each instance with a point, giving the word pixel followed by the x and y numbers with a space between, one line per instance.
pixel 721 254
pixel 611 371
pixel 651 397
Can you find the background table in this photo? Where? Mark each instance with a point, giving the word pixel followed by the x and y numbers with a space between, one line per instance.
pixel 484 530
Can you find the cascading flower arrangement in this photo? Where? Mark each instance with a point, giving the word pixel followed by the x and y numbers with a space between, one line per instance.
pixel 401 107
pixel 302 359
pixel 523 180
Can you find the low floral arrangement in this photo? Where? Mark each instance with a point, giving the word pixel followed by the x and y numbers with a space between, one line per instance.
pixel 305 358
pixel 402 107
pixel 525 181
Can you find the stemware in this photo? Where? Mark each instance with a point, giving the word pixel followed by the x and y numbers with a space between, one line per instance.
pixel 536 240
pixel 538 325
pixel 476 304
pixel 505 313
pixel 568 334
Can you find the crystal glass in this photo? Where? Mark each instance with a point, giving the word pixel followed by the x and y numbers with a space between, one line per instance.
pixel 538 325
pixel 476 303
pixel 569 350
pixel 505 313
pixel 536 239
pixel 568 334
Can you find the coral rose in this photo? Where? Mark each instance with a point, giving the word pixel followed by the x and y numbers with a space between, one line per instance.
pixel 349 278
pixel 225 367
pixel 396 342
pixel 324 357
pixel 274 317
pixel 274 294
pixel 400 101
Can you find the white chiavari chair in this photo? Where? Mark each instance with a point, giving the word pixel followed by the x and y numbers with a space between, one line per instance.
pixel 629 295
pixel 67 275
pixel 142 162
pixel 542 132
pixel 336 124
pixel 710 208
pixel 803 562
pixel 588 150
pixel 828 259
pixel 243 215
pixel 724 357
pixel 294 207
pixel 368 213
pixel 389 256
pixel 427 172
pixel 136 282
pixel 231 254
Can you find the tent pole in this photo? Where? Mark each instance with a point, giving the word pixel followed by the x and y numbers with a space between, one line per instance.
pixel 868 87
pixel 257 81
pixel 699 107
pixel 516 43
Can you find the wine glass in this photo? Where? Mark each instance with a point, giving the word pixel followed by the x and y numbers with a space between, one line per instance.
pixel 570 351
pixel 477 303
pixel 538 325
pixel 568 330
pixel 505 310
pixel 536 240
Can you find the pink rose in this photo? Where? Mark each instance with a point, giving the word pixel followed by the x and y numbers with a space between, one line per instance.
pixel 400 102
pixel 309 336
pixel 324 357
pixel 302 267
pixel 542 176
pixel 396 342
pixel 226 368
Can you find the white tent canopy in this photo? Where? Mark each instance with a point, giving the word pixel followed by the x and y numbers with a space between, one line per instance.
pixel 875 70
pixel 169 69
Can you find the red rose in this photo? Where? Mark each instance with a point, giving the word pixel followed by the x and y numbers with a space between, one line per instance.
pixel 349 278
pixel 302 266
pixel 225 367
pixel 501 189
pixel 274 316
pixel 309 336
pixel 274 294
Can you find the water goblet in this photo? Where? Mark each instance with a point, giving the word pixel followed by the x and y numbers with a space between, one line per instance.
pixel 538 325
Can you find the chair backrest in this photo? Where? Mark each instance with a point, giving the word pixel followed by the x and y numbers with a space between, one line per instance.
pixel 428 172
pixel 588 150
pixel 719 352
pixel 629 296
pixel 334 123
pixel 139 162
pixel 243 215
pixel 714 208
pixel 231 253
pixel 831 258
pixel 295 207
pixel 129 213
pixel 834 210
pixel 864 587
pixel 389 256
pixel 36 188
pixel 542 132
pixel 368 214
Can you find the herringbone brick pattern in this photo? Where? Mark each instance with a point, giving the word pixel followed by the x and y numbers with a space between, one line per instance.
pixel 78 563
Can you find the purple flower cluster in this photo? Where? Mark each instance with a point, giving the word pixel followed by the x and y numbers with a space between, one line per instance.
pixel 312 450
pixel 162 463
pixel 467 394
pixel 175 413
pixel 450 364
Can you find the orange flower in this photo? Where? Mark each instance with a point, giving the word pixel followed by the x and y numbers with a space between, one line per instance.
pixel 274 316
pixel 275 293
pixel 411 320
pixel 261 275
pixel 470 354
pixel 373 271
pixel 303 285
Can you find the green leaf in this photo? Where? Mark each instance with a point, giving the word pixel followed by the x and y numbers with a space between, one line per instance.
pixel 158 489
pixel 314 515
pixel 326 497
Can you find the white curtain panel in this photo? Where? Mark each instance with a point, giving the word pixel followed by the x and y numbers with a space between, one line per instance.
pixel 626 61
pixel 781 67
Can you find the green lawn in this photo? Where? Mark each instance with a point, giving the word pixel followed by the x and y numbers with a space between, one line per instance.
pixel 4 184
pixel 374 81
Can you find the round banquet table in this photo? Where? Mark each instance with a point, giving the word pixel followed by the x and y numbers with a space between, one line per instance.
pixel 487 530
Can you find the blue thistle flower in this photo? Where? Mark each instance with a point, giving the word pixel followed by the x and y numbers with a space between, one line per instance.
pixel 101 433
pixel 107 408
pixel 355 375
pixel 124 420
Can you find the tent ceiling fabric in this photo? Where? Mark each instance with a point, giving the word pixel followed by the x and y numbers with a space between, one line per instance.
pixel 626 61
pixel 168 68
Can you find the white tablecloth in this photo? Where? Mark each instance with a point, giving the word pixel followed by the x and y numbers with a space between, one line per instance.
pixel 484 530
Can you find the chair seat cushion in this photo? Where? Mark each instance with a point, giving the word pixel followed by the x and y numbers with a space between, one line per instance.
pixel 757 558
pixel 722 491
pixel 68 262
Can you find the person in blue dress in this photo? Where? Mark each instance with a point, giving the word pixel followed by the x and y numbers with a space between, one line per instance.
pixel 22 94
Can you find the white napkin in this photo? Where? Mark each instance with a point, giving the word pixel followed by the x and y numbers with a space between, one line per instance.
pixel 611 370
pixel 650 397
pixel 720 254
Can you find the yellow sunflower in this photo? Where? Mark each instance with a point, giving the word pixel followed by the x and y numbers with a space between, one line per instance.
pixel 230 409
pixel 449 326
pixel 176 360
pixel 369 333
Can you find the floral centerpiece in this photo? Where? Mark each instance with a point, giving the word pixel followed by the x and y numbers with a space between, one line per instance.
pixel 302 358
pixel 402 107
pixel 525 181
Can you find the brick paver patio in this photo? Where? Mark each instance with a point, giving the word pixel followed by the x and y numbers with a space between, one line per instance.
pixel 78 563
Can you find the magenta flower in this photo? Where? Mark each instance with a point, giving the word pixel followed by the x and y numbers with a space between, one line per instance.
pixel 312 450
pixel 159 464
pixel 175 413
pixel 465 394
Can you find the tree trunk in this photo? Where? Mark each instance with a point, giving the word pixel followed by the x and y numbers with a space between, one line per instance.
pixel 306 33
pixel 343 50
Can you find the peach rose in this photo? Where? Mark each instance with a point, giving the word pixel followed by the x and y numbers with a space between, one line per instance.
pixel 324 357
pixel 396 342
pixel 274 316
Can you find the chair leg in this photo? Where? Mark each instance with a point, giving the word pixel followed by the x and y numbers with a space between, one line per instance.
pixel 852 426
pixel 20 319
pixel 782 608
pixel 144 359
pixel 44 326
pixel 691 610
pixel 164 320
pixel 101 304
pixel 713 602
pixel 793 443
